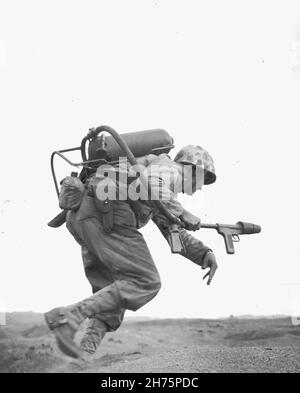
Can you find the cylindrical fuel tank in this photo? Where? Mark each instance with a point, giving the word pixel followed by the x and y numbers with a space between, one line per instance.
pixel 141 143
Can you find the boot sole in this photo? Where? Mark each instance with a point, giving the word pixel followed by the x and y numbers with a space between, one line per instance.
pixel 67 347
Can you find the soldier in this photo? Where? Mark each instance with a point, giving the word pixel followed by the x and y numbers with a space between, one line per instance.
pixel 117 262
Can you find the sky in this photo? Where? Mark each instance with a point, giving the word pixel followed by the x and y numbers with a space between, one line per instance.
pixel 223 75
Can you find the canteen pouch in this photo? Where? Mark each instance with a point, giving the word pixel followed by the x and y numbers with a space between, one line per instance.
pixel 71 193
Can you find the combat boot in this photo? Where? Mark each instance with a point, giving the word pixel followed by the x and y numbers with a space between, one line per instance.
pixel 65 322
pixel 93 336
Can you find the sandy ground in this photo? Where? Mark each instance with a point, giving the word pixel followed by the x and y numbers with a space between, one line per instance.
pixel 185 345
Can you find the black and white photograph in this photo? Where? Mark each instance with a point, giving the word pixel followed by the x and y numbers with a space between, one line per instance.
pixel 149 189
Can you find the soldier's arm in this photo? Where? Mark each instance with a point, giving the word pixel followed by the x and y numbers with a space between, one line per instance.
pixel 195 250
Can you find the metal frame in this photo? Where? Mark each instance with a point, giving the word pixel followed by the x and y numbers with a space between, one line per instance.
pixel 76 164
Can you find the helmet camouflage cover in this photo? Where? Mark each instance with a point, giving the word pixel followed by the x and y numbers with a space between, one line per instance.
pixel 196 155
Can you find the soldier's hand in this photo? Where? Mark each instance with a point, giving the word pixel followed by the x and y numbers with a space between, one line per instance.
pixel 192 223
pixel 211 263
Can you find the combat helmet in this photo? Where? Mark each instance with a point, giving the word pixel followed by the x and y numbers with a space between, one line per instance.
pixel 196 155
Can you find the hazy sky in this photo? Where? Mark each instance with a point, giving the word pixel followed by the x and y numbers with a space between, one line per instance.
pixel 222 74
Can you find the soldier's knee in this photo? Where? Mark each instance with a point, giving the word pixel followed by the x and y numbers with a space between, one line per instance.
pixel 153 288
pixel 156 286
pixel 145 292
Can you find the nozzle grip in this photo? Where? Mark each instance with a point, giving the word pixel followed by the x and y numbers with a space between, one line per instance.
pixel 248 228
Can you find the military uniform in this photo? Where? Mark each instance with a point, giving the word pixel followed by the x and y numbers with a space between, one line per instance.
pixel 118 264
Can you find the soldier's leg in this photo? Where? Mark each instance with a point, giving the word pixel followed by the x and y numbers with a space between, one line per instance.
pixel 96 330
pixel 96 272
pixel 99 277
pixel 135 279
